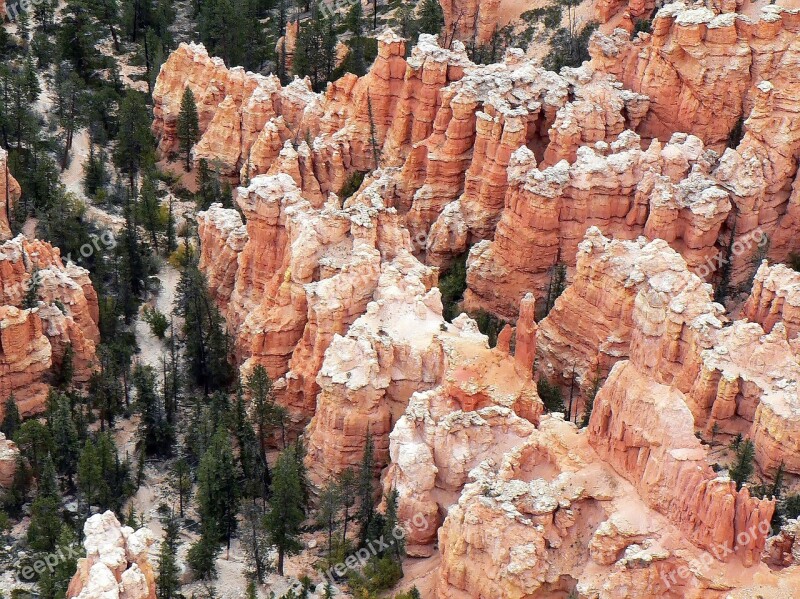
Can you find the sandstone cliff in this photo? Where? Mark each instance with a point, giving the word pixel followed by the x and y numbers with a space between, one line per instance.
pixel 8 461
pixel 774 298
pixel 9 188
pixel 35 340
pixel 665 191
pixel 116 562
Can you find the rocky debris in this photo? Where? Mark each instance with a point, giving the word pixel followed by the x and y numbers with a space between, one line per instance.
pixel 664 191
pixel 35 341
pixel 8 461
pixel 116 562
pixel 10 190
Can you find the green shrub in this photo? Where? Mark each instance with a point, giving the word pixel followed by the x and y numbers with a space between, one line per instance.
pixel 157 320
pixel 452 285
pixel 550 396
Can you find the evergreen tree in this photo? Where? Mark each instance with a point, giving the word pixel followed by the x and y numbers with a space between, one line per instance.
pixel 373 136
pixel 203 329
pixel 348 488
pixel 330 504
pixel 218 485
pixel 64 434
pixel 45 524
pixel 89 475
pixel 35 442
pixel 390 524
pixel 431 17
pixel 11 418
pixel 777 484
pixel 551 396
pixel 255 542
pixel 203 553
pixel 181 483
pixel 149 209
pixel 263 402
pixel 53 583
pixel 155 433
pixel 168 577
pixel 366 479
pixel 743 467
pixel 355 24
pixel 31 299
pixel 188 126
pixel 285 513
pixel 135 144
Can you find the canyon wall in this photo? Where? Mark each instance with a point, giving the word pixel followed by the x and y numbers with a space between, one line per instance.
pixel 117 562
pixel 715 73
pixel 664 191
pixel 34 340
pixel 9 454
pixel 9 188
pixel 526 169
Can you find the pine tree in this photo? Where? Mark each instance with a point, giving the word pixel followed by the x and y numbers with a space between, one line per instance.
pixel 188 126
pixel 355 24
pixel 64 434
pixel 390 524
pixel 45 524
pixel 205 335
pixel 260 386
pixel 155 433
pixel 181 483
pixel 777 484
pixel 366 478
pixel 550 396
pixel 149 209
pixel 53 584
pixel 66 369
pixel 203 553
pixel 135 145
pixel 11 418
pixel 31 299
pixel 168 578
pixel 255 542
pixel 330 504
pixel 218 489
pixel 743 467
pixel 89 475
pixel 431 17
pixel 285 513
pixel 348 487
pixel 373 136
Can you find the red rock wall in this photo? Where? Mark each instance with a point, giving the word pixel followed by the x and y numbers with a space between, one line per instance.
pixel 9 188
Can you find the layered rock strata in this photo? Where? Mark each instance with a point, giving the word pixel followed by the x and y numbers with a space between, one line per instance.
pixel 116 563
pixel 719 74
pixel 485 404
pixel 35 340
pixel 9 188
pixel 551 518
pixel 775 298
pixel 665 191
pixel 9 454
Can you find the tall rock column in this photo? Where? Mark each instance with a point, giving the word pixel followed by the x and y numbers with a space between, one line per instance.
pixel 10 190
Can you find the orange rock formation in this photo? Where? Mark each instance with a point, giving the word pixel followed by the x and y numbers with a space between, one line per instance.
pixel 117 563
pixel 35 340
pixel 9 188
pixel 8 461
